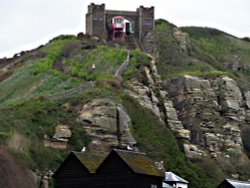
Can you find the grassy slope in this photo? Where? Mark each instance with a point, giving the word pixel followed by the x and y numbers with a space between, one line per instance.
pixel 36 77
pixel 222 51
pixel 173 62
pixel 216 53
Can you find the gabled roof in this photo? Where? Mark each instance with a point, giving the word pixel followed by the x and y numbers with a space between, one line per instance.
pixel 88 161
pixel 139 162
pixel 238 184
pixel 91 162
pixel 171 177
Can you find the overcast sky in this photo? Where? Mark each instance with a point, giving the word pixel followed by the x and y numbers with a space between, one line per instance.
pixel 26 24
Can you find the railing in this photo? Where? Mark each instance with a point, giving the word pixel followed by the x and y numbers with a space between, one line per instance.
pixel 85 86
pixel 74 90
pixel 123 66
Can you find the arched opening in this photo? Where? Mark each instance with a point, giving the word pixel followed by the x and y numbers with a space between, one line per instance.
pixel 128 27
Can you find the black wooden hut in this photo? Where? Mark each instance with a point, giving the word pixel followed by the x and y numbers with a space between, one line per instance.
pixel 78 169
pixel 120 169
pixel 230 183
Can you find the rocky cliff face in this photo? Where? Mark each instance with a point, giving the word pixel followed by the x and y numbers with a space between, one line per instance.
pixel 213 110
pixel 207 114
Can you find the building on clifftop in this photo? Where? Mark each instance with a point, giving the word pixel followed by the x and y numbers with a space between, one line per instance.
pixel 112 24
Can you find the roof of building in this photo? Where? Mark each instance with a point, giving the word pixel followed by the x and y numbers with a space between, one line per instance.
pixel 171 177
pixel 91 162
pixel 139 162
pixel 238 184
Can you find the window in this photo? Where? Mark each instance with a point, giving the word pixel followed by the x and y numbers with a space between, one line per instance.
pixel 118 20
pixel 153 186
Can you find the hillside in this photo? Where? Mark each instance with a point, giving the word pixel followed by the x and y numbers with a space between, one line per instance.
pixel 187 103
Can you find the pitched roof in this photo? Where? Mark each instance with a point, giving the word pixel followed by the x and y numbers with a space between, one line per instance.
pixel 139 162
pixel 91 162
pixel 171 177
pixel 238 184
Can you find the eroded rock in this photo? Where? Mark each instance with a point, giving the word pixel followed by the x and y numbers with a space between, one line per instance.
pixel 62 133
pixel 107 124
pixel 211 109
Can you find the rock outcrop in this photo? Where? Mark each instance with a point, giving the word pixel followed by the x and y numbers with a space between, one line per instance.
pixel 182 38
pixel 107 124
pixel 60 138
pixel 146 96
pixel 207 113
pixel 213 110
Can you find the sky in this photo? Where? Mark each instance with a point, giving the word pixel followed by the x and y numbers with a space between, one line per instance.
pixel 26 24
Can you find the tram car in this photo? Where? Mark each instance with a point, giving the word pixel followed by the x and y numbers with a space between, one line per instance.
pixel 117 28
pixel 118 22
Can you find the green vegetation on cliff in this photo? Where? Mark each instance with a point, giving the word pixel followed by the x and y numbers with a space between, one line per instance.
pixel 28 113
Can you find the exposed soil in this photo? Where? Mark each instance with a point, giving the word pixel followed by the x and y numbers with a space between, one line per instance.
pixel 13 174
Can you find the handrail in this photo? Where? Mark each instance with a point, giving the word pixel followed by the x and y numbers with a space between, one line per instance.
pixel 85 86
pixel 123 66
pixel 73 91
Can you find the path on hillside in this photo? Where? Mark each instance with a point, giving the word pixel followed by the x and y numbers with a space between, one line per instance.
pixel 90 84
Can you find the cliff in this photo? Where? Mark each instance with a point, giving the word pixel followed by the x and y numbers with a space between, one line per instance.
pixel 184 100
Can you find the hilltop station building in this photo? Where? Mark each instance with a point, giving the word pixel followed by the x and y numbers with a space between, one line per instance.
pixel 112 24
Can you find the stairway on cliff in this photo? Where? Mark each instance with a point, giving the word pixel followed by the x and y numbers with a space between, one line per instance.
pixel 131 42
